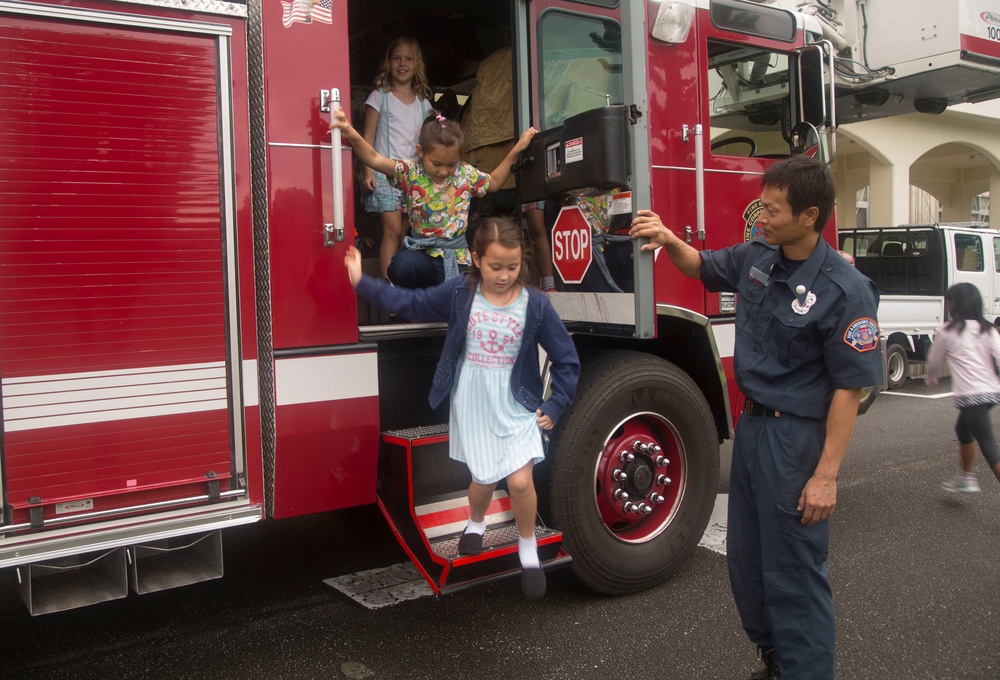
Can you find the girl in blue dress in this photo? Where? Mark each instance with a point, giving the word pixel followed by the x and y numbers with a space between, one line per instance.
pixel 489 367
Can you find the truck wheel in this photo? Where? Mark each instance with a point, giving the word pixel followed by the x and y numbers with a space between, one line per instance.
pixel 896 365
pixel 635 471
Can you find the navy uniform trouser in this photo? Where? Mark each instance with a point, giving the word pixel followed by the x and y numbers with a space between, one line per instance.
pixel 777 565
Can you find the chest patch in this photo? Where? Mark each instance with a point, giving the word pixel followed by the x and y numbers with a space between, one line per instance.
pixel 862 334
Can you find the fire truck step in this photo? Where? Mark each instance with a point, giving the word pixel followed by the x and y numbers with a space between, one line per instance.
pixel 423 495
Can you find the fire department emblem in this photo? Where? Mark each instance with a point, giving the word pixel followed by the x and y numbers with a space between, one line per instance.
pixel 752 230
pixel 862 334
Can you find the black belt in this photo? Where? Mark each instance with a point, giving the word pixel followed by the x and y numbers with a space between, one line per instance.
pixel 752 408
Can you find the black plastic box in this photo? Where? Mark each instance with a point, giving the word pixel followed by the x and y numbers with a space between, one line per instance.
pixel 590 150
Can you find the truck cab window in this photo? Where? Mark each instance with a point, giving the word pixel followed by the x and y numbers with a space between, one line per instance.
pixel 968 253
pixel 996 254
pixel 580 63
pixel 748 91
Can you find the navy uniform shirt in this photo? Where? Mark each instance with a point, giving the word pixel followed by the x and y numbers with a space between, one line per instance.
pixel 801 331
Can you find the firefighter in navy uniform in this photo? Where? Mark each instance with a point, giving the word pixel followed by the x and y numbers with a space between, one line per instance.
pixel 806 344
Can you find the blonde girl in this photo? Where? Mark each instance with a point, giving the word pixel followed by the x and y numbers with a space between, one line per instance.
pixel 394 112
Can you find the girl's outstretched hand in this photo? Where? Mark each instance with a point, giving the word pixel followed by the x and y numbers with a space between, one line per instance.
pixel 352 260
pixel 525 139
pixel 544 421
pixel 339 120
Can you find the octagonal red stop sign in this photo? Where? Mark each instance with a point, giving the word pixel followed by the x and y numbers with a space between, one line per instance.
pixel 571 244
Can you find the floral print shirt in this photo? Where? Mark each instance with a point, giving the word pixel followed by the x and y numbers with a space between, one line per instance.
pixel 440 210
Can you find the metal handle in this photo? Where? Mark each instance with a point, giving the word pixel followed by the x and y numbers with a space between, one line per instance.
pixel 699 181
pixel 329 102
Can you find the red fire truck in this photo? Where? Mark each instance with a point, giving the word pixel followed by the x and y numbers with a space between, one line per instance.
pixel 181 350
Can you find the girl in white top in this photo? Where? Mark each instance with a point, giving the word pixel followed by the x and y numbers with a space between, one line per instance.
pixel 971 347
pixel 394 112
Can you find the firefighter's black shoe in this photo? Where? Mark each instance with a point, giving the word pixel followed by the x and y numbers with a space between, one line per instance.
pixel 470 544
pixel 770 669
pixel 533 583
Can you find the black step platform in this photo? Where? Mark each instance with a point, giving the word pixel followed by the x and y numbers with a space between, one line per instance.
pixel 423 495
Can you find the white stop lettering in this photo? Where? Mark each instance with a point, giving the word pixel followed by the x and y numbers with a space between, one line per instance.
pixel 573 245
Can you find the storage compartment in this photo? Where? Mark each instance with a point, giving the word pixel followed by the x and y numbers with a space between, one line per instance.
pixel 70 582
pixel 590 152
pixel 175 562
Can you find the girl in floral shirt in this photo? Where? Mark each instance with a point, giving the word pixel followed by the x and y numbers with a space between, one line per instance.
pixel 437 189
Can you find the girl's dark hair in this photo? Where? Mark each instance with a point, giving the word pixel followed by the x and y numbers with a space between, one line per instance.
pixel 439 130
pixel 505 231
pixel 966 305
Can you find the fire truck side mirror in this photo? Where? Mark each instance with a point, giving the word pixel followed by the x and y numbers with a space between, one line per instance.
pixel 812 90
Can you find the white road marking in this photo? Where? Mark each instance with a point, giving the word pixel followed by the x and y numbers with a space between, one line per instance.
pixel 715 534
pixel 917 396
pixel 401 582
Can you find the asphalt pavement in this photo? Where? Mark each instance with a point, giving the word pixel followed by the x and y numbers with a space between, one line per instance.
pixel 915 573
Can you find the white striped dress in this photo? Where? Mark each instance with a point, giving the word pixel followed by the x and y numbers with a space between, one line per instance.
pixel 490 431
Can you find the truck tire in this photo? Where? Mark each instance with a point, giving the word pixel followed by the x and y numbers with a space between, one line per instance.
pixel 897 365
pixel 639 425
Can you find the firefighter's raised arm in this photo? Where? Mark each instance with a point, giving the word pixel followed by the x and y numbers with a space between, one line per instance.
pixel 362 149
pixel 647 224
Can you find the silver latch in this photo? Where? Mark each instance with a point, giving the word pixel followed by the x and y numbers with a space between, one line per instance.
pixel 327 96
pixel 332 235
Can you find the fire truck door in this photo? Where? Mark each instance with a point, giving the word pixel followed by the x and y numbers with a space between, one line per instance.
pixel 325 383
pixel 747 110
pixel 581 70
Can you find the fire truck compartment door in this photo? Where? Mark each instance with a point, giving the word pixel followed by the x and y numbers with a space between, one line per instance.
pixel 119 350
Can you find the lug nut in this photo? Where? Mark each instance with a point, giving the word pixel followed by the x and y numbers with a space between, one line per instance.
pixel 656 498
pixel 655 449
pixel 629 507
pixel 640 447
pixel 618 475
pixel 620 495
pixel 662 461
pixel 626 457
pixel 644 509
pixel 663 480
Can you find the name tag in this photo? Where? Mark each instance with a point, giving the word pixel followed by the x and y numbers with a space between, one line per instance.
pixel 758 278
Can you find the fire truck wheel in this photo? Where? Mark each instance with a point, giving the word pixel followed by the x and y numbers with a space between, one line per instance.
pixel 635 471
pixel 896 365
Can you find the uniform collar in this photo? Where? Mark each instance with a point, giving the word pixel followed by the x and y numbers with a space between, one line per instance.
pixel 802 280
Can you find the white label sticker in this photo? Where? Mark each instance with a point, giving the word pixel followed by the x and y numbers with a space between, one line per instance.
pixel 621 203
pixel 574 150
pixel 74 506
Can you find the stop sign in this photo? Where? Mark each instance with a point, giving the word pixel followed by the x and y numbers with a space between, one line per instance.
pixel 571 244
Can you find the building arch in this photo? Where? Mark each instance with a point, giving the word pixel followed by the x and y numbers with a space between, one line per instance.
pixel 954 157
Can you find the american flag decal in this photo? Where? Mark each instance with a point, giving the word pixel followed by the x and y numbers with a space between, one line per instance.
pixel 306 12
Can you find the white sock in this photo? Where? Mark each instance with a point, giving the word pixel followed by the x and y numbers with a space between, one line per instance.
pixel 476 527
pixel 527 550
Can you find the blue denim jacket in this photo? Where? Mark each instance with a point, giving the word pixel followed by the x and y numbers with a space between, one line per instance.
pixel 452 302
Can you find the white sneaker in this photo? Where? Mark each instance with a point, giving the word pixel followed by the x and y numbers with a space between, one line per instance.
pixel 961 484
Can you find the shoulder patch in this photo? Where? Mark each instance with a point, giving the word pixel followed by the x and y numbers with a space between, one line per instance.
pixel 862 334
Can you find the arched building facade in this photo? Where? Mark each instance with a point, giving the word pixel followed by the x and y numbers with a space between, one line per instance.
pixel 953 157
